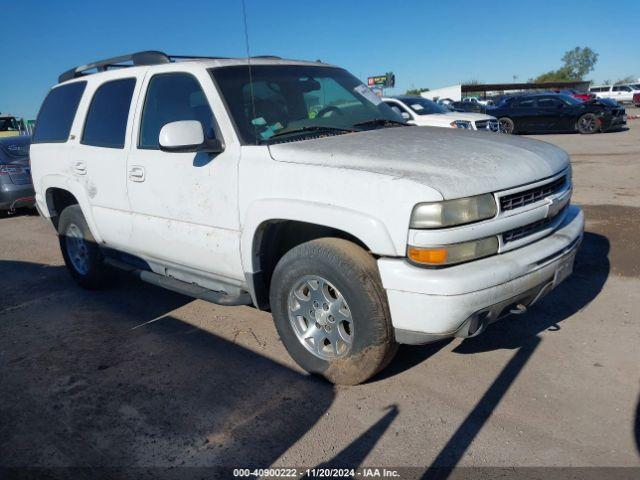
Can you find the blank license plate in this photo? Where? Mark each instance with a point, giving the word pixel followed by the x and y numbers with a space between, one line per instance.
pixel 564 268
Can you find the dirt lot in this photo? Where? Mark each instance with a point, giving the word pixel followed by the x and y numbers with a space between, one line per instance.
pixel 138 376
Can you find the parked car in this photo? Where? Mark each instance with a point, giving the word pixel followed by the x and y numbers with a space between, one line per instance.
pixel 425 113
pixel 557 113
pixel 619 93
pixel 10 125
pixel 584 96
pixel 636 99
pixel 16 188
pixel 485 102
pixel 470 107
pixel 292 187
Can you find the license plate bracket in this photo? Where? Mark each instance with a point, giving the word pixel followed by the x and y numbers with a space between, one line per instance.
pixel 564 268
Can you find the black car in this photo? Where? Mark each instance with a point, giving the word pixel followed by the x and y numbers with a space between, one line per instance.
pixel 556 113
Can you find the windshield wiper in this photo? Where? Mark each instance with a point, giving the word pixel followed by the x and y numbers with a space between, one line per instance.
pixel 310 128
pixel 383 122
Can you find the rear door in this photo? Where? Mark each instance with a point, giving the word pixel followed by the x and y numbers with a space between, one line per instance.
pixel 184 205
pixel 98 159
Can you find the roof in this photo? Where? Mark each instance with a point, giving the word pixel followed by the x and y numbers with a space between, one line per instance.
pixel 152 57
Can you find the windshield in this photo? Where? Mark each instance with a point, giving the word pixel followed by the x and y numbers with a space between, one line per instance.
pixel 422 106
pixel 8 124
pixel 293 97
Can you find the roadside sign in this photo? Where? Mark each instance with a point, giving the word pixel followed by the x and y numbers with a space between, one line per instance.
pixel 388 80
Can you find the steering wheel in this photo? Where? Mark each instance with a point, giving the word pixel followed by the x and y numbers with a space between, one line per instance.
pixel 330 108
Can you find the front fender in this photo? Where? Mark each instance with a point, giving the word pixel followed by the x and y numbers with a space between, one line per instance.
pixel 366 228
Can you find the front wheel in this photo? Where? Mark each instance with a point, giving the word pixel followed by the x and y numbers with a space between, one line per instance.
pixel 506 125
pixel 588 124
pixel 81 254
pixel 331 311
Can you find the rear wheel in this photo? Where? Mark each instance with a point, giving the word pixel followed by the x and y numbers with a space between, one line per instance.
pixel 81 254
pixel 588 123
pixel 506 125
pixel 331 311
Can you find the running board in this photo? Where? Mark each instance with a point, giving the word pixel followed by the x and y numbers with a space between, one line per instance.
pixel 178 286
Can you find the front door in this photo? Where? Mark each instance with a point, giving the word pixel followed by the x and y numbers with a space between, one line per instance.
pixel 184 205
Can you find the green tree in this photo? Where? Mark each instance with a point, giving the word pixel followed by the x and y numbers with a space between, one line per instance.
pixel 416 91
pixel 577 63
pixel 626 80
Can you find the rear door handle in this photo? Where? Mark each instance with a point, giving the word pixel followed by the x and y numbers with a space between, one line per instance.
pixel 136 174
pixel 80 167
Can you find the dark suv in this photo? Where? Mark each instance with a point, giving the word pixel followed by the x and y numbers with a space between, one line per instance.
pixel 16 187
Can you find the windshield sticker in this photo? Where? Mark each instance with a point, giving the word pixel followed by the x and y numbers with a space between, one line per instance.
pixel 368 94
pixel 259 121
pixel 417 107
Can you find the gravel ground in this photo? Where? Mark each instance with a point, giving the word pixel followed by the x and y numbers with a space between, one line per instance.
pixel 136 376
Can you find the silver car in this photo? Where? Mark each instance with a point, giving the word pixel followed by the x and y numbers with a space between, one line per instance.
pixel 16 187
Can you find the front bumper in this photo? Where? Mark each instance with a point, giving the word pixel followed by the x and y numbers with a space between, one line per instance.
pixel 16 196
pixel 429 304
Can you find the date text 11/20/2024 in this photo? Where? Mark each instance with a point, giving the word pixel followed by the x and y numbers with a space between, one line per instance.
pixel 316 473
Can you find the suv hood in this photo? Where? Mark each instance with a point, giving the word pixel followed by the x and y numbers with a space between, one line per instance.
pixel 456 163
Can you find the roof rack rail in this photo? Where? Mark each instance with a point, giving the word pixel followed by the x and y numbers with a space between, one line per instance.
pixel 148 57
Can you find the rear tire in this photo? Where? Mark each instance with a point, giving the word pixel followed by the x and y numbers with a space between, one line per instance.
pixel 81 254
pixel 331 310
pixel 588 124
pixel 506 125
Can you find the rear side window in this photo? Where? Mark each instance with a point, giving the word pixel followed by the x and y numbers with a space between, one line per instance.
pixel 57 112
pixel 172 97
pixel 106 122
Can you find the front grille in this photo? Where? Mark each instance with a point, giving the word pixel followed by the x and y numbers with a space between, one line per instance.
pixel 491 125
pixel 533 195
pixel 526 230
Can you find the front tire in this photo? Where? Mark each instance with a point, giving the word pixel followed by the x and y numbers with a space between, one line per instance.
pixel 81 254
pixel 331 310
pixel 506 125
pixel 588 124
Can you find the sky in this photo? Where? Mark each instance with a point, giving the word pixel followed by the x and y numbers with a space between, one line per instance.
pixel 425 43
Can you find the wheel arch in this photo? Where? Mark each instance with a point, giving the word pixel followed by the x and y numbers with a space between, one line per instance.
pixel 268 234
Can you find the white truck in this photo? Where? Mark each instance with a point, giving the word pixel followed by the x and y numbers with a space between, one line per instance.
pixel 290 186
pixel 619 93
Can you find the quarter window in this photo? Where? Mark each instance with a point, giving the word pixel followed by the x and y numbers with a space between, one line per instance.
pixel 57 112
pixel 172 97
pixel 106 122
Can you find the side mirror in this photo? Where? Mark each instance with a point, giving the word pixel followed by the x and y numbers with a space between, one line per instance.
pixel 187 136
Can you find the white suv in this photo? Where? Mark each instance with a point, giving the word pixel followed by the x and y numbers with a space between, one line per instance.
pixel 619 93
pixel 290 186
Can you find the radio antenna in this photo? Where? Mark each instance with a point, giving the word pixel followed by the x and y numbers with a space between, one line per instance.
pixel 246 42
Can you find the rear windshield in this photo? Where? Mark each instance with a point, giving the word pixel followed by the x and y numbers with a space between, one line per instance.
pixel 57 112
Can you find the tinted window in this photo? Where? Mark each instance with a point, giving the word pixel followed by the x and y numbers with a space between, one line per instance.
pixel 57 113
pixel 548 102
pixel 422 106
pixel 525 103
pixel 106 122
pixel 172 97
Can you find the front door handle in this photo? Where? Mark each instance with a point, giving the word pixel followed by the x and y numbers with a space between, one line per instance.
pixel 80 167
pixel 136 174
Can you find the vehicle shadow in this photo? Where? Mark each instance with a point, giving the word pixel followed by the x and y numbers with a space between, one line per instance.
pixel 522 334
pixel 591 271
pixel 82 386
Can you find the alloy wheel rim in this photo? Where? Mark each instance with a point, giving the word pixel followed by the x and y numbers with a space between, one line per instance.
pixel 588 123
pixel 505 126
pixel 77 249
pixel 320 317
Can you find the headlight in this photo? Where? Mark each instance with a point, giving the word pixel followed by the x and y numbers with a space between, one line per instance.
pixel 449 213
pixel 454 253
pixel 461 124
